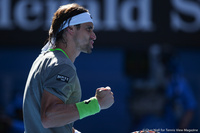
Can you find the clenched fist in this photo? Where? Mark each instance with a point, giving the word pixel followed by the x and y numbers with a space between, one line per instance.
pixel 104 97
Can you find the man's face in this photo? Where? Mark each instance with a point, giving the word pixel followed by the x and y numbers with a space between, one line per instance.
pixel 84 37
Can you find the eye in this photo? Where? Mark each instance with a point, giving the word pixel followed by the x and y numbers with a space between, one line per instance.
pixel 89 29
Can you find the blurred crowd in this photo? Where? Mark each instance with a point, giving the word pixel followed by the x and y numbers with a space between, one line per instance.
pixel 163 98
pixel 11 117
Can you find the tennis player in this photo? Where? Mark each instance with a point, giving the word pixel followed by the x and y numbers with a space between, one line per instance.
pixel 52 94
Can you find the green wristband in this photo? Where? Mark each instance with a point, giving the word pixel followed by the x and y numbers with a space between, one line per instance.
pixel 88 107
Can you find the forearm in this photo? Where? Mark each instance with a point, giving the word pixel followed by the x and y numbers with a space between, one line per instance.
pixel 59 115
pixel 55 113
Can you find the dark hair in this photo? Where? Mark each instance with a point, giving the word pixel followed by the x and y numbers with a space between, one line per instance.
pixel 65 12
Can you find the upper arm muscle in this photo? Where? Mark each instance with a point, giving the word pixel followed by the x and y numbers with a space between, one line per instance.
pixel 55 113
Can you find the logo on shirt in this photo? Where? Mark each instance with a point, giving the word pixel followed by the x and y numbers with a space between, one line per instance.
pixel 62 78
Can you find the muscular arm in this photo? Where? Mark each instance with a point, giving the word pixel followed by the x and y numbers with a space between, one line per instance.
pixel 54 113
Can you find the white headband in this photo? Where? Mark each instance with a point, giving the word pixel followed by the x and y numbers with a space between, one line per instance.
pixel 78 19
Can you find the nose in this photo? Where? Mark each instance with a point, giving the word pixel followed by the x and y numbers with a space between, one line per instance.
pixel 93 36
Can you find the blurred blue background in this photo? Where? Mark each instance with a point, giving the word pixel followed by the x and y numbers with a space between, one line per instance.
pixel 147 51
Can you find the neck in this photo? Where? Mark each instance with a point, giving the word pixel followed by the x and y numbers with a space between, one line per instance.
pixel 71 52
